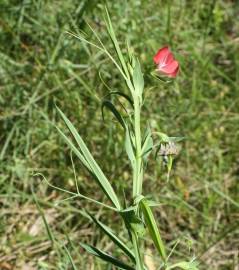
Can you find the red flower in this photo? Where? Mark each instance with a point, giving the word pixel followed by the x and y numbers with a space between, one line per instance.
pixel 166 63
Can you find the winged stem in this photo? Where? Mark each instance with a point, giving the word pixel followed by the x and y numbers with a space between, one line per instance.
pixel 137 181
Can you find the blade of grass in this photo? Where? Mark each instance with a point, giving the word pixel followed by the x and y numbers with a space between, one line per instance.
pixel 5 146
pixel 70 258
pixel 49 233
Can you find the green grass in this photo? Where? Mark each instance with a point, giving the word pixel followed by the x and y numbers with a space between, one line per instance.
pixel 40 65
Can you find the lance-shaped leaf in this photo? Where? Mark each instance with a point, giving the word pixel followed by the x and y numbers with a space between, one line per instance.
pixel 114 238
pixel 111 107
pixel 118 93
pixel 106 257
pixel 152 227
pixel 147 144
pixel 89 161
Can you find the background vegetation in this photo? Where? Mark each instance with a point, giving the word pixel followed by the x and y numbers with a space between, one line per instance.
pixel 41 65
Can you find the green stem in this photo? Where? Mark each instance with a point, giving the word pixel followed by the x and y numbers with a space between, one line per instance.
pixel 137 181
pixel 135 240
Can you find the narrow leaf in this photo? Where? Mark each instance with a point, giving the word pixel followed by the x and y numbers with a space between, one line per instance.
pixel 112 35
pixel 105 257
pixel 118 93
pixel 74 149
pixel 154 204
pixel 114 238
pixel 165 138
pixel 111 107
pixel 147 146
pixel 152 227
pixel 93 166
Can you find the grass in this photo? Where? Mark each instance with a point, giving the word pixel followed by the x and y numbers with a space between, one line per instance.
pixel 40 65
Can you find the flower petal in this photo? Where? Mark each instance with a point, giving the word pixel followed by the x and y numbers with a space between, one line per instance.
pixel 171 68
pixel 161 55
pixel 169 59
pixel 174 74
